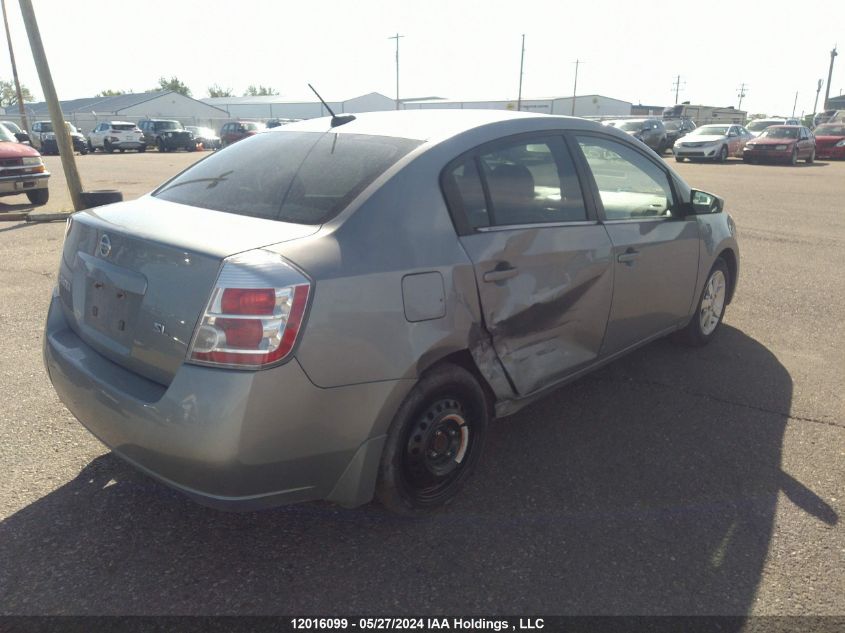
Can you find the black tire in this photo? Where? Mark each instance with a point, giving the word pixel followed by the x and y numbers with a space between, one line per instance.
pixel 811 158
pixel 142 149
pixel 38 197
pixel 443 418
pixel 723 154
pixel 793 160
pixel 191 147
pixel 679 159
pixel 90 147
pixel 107 147
pixel 160 145
pixel 694 334
pixel 100 197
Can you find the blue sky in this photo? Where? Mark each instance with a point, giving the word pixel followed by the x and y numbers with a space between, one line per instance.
pixel 459 49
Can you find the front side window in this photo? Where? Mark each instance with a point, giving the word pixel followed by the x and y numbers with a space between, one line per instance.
pixel 302 177
pixel 630 186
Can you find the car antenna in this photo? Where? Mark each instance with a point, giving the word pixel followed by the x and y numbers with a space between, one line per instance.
pixel 336 119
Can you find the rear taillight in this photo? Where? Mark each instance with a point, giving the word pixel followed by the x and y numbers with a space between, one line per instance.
pixel 254 315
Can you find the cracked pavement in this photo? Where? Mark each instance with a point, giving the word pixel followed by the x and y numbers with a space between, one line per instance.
pixel 673 481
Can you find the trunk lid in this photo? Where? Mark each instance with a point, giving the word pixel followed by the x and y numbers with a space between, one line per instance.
pixel 136 276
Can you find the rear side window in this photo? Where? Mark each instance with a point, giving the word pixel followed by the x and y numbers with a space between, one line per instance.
pixel 301 177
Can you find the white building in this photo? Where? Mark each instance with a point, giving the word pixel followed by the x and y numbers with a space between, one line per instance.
pixel 165 104
pixel 585 105
pixel 297 107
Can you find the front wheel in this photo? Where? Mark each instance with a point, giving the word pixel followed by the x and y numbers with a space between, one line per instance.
pixel 38 197
pixel 793 159
pixel 160 146
pixel 433 443
pixel 723 154
pixel 811 157
pixel 142 149
pixel 711 307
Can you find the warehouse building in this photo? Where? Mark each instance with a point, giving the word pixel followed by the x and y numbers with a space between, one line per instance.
pixel 585 105
pixel 297 107
pixel 166 104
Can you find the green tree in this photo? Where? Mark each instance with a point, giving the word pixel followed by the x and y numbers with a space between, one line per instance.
pixel 173 84
pixel 259 91
pixel 110 93
pixel 216 91
pixel 9 97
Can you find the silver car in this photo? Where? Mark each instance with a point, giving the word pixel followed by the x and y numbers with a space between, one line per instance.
pixel 337 308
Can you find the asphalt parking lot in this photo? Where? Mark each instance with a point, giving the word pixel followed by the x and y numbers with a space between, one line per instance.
pixel 673 481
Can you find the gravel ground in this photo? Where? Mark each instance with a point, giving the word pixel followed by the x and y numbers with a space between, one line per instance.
pixel 673 481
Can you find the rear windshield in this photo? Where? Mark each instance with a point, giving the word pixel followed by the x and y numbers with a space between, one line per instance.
pixel 123 126
pixel 301 177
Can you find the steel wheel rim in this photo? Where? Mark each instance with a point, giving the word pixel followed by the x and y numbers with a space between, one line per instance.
pixel 437 449
pixel 712 303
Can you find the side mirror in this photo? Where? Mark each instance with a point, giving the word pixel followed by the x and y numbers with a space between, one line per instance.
pixel 704 203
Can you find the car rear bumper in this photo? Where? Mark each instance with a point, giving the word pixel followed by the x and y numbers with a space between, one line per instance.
pixel 10 185
pixel 235 440
pixel 128 144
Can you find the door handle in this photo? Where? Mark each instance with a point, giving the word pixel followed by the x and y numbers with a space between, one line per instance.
pixel 628 256
pixel 500 274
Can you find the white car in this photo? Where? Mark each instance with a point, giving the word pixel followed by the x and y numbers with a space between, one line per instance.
pixel 712 142
pixel 116 135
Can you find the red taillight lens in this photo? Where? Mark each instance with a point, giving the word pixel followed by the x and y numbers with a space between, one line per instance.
pixel 248 301
pixel 251 327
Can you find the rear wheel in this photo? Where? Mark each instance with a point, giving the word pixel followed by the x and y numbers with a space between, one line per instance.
pixel 90 147
pixel 160 146
pixel 711 307
pixel 38 196
pixel 107 146
pixel 811 157
pixel 679 159
pixel 142 149
pixel 433 443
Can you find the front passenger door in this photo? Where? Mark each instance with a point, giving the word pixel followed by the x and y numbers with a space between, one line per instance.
pixel 655 252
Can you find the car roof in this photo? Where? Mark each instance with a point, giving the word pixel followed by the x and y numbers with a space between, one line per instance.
pixel 425 125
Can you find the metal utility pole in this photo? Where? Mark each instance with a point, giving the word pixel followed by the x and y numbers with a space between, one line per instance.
pixel 833 54
pixel 676 86
pixel 24 123
pixel 397 37
pixel 794 104
pixel 577 63
pixel 521 63
pixel 74 184
pixel 816 102
pixel 743 90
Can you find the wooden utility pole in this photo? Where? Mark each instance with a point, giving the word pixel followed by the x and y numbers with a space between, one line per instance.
pixel 833 55
pixel 24 123
pixel 65 145
pixel 577 63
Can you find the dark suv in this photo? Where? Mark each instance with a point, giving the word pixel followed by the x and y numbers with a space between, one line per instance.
pixel 649 131
pixel 676 128
pixel 167 136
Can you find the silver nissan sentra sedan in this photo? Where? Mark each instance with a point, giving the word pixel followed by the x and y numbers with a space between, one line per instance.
pixel 337 308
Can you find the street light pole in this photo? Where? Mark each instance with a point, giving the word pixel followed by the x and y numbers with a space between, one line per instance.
pixel 833 54
pixel 521 61
pixel 18 92
pixel 397 37
pixel 65 145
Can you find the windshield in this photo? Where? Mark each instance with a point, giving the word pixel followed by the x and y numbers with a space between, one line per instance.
pixel 711 130
pixel 830 130
pixel 629 126
pixel 6 135
pixel 168 125
pixel 672 126
pixel 302 177
pixel 12 126
pixel 757 126
pixel 780 132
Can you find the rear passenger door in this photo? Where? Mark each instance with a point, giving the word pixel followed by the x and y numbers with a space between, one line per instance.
pixel 542 261
pixel 655 251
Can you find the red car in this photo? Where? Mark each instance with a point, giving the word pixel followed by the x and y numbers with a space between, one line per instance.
pixel 830 140
pixel 789 143
pixel 22 170
pixel 236 130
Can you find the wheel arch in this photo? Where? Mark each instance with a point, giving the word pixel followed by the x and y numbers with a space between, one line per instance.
pixel 463 358
pixel 729 257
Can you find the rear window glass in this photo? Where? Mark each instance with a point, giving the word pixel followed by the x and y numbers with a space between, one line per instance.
pixel 301 177
pixel 123 126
